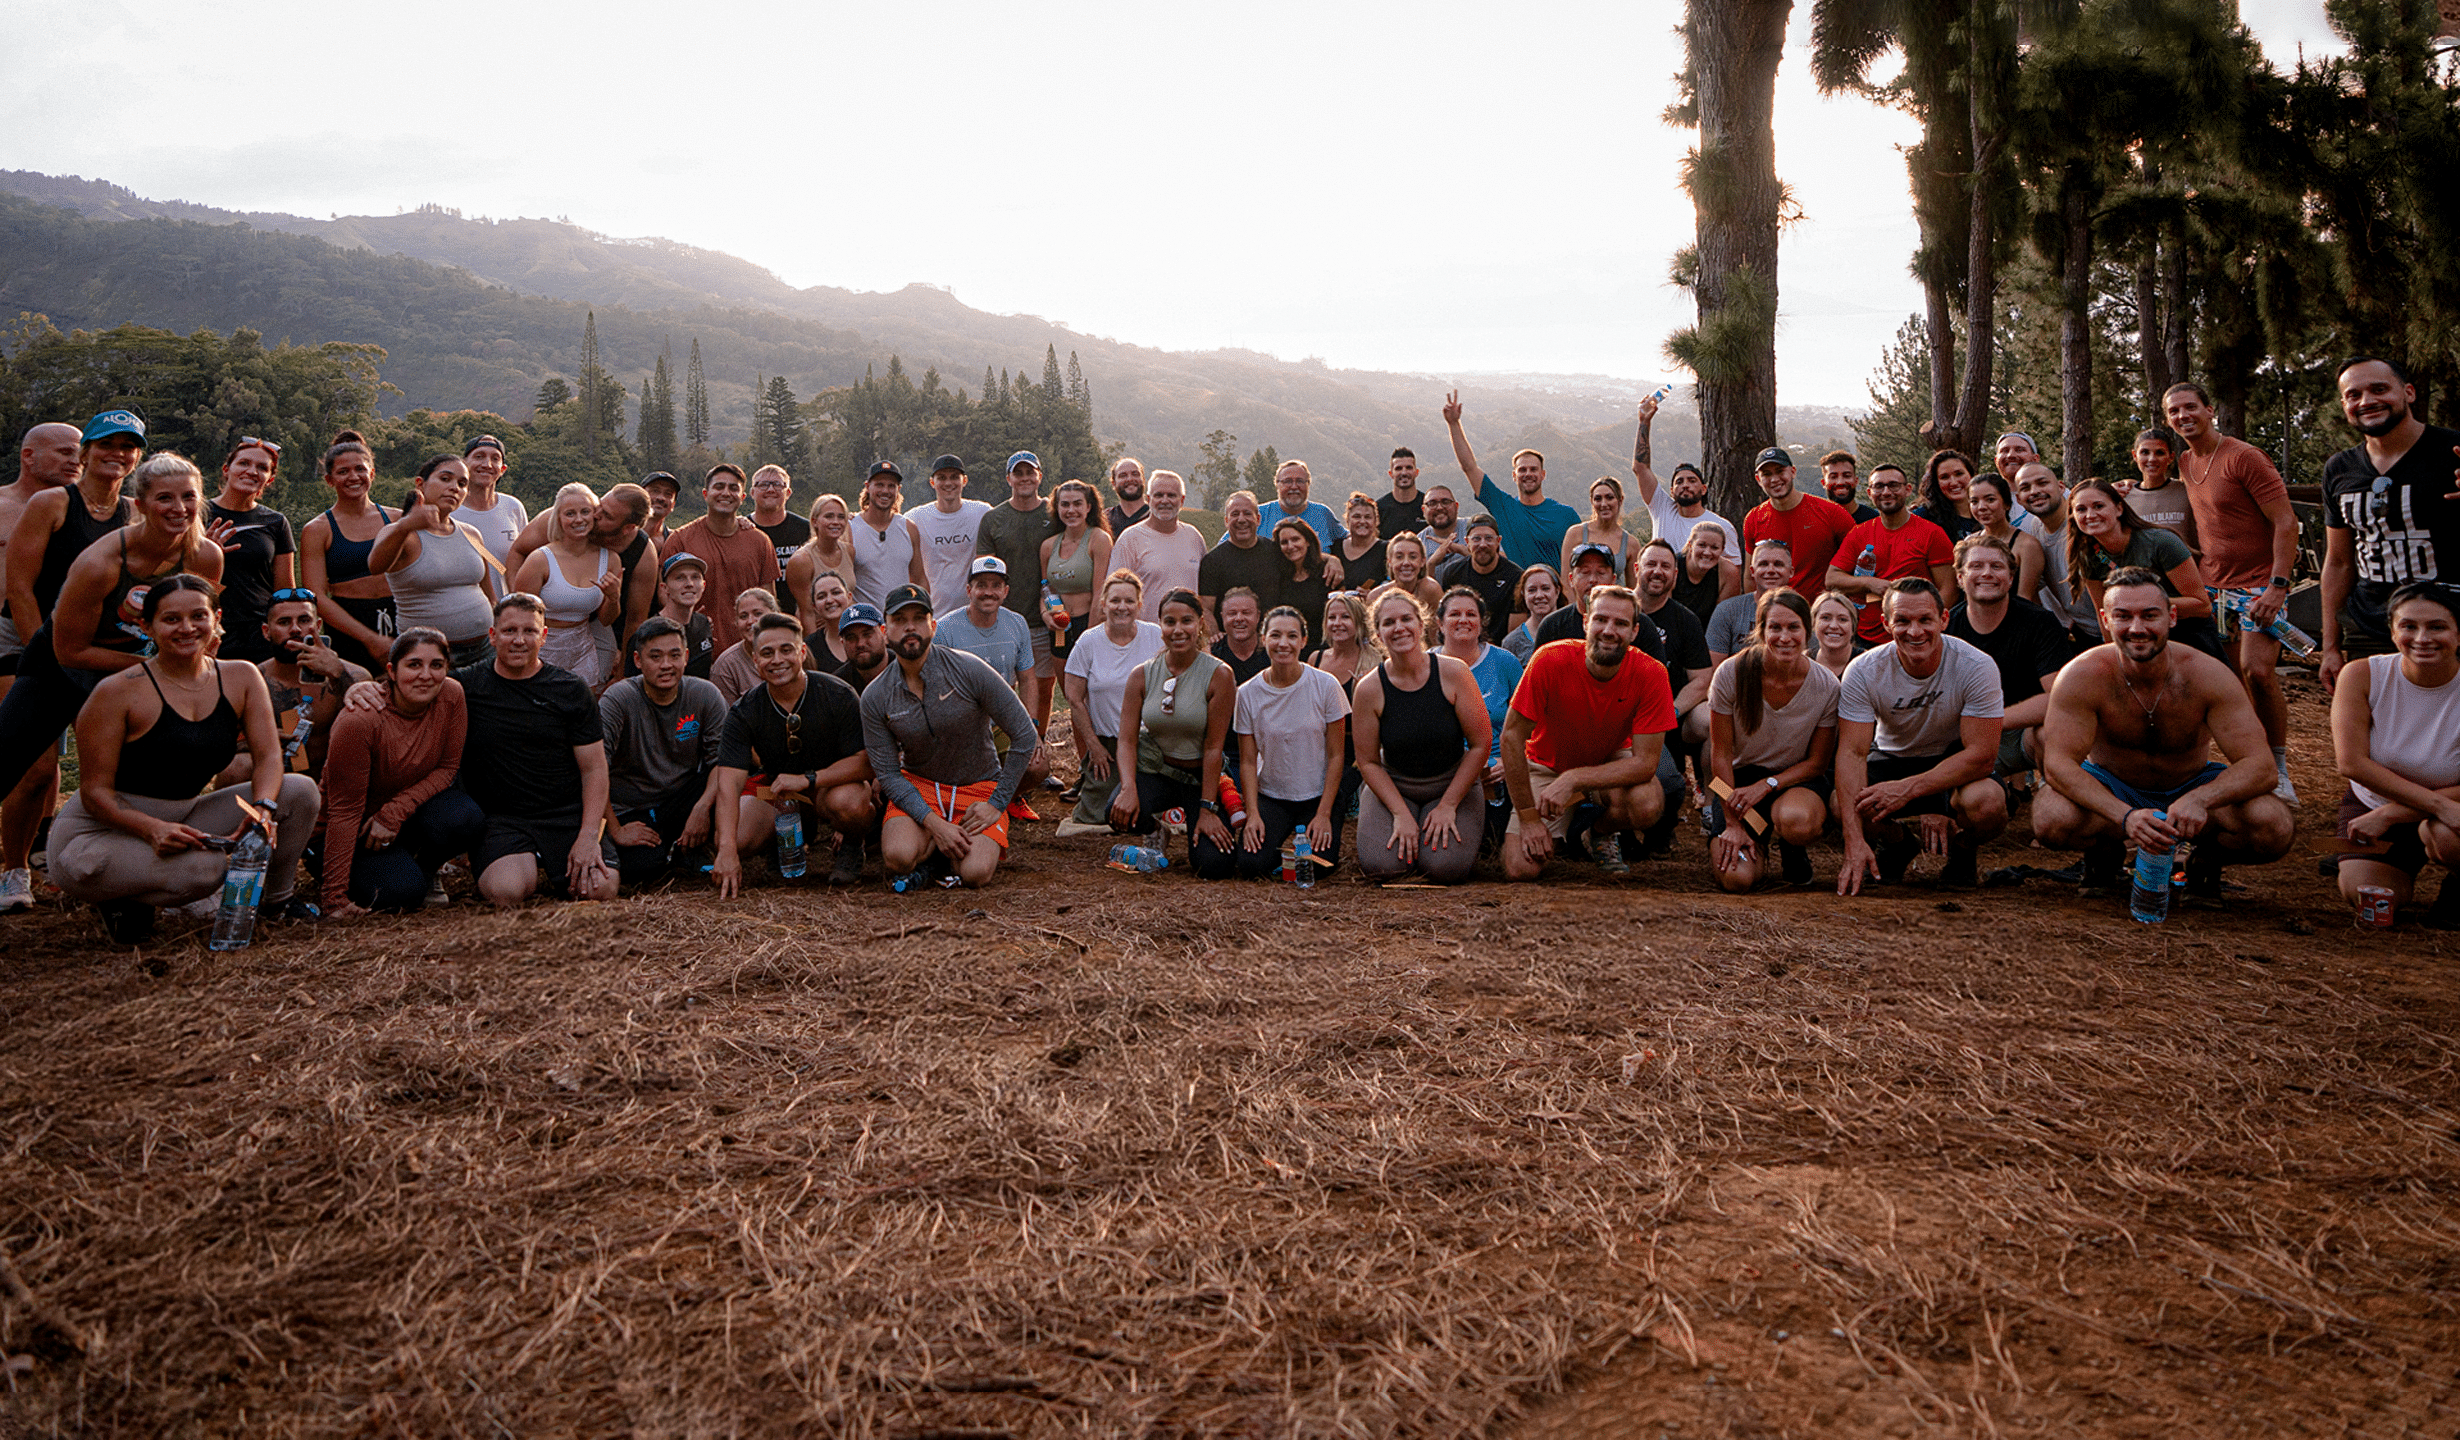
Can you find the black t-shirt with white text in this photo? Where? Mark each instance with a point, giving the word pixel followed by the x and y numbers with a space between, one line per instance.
pixel 2401 531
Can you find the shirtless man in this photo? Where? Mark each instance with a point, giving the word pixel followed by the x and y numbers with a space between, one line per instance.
pixel 47 459
pixel 2127 748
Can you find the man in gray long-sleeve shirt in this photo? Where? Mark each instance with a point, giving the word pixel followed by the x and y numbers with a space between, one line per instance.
pixel 927 725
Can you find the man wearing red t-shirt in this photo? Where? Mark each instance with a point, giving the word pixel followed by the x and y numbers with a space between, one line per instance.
pixel 1810 525
pixel 2250 537
pixel 1588 723
pixel 1902 544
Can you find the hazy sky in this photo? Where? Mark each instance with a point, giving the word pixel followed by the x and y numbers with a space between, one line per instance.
pixel 1427 186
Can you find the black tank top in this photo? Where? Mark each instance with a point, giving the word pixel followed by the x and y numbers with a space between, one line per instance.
pixel 119 626
pixel 177 757
pixel 77 533
pixel 345 558
pixel 1421 731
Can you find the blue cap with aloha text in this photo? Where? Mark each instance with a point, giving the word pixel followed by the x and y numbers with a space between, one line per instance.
pixel 1024 457
pixel 114 422
pixel 858 613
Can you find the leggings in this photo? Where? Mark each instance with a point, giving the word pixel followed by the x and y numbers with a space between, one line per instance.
pixel 1449 865
pixel 1280 818
pixel 99 863
pixel 396 877
pixel 43 702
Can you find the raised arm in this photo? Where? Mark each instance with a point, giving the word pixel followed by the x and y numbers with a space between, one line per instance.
pixel 1640 470
pixel 397 544
pixel 1460 439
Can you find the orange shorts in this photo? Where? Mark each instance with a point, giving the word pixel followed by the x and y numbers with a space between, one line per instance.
pixel 952 801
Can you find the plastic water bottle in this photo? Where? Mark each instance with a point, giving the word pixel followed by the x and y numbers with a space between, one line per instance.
pixel 790 842
pixel 2148 895
pixel 1661 392
pixel 1303 873
pixel 1869 563
pixel 1141 858
pixel 243 885
pixel 2296 641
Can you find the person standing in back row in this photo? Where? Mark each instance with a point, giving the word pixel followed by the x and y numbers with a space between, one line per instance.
pixel 1015 532
pixel 1812 526
pixel 888 548
pixel 498 517
pixel 1678 504
pixel 772 489
pixel 1165 552
pixel 1402 510
pixel 2250 543
pixel 1532 526
pixel 948 524
pixel 1127 481
pixel 2391 508
pixel 1897 543
pixel 737 555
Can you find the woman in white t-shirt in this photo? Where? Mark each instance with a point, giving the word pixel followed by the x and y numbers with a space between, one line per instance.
pixel 2396 731
pixel 1292 721
pixel 1772 740
pixel 1099 664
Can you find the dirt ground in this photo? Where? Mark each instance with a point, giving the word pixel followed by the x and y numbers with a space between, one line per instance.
pixel 1088 1153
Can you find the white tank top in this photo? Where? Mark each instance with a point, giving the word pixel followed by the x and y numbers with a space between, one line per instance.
pixel 948 548
pixel 566 602
pixel 881 562
pixel 2417 729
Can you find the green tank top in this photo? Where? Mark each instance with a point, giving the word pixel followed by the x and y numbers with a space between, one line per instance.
pixel 1073 574
pixel 1175 738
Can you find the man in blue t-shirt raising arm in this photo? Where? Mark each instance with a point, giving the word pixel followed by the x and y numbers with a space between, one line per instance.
pixel 1532 526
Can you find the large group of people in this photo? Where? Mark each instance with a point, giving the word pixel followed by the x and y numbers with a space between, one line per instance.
pixel 589 701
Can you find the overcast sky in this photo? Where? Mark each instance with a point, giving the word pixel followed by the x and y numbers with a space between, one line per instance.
pixel 1426 186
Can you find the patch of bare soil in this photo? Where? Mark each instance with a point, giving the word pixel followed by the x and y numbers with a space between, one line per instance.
pixel 1088 1153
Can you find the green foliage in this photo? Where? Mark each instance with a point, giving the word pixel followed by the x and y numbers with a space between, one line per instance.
pixel 198 392
pixel 1261 466
pixel 1216 474
pixel 656 441
pixel 889 417
pixel 696 401
pixel 1900 402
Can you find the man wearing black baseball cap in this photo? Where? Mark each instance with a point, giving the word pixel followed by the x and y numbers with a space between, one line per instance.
pixel 948 524
pixel 928 725
pixel 664 490
pixel 498 518
pixel 1810 525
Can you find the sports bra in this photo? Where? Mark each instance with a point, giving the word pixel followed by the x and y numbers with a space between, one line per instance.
pixel 1421 732
pixel 569 604
pixel 77 533
pixel 1072 574
pixel 345 558
pixel 178 757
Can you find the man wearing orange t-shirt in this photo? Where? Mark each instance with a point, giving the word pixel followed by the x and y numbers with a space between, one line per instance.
pixel 1810 525
pixel 1902 545
pixel 2250 539
pixel 1588 723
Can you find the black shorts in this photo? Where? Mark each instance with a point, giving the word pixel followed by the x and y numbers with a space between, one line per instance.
pixel 1063 641
pixel 549 842
pixel 1883 768
pixel 1821 785
pixel 2408 848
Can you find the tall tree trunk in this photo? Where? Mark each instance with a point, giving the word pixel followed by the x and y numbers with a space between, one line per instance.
pixel 2075 326
pixel 1969 431
pixel 1734 48
pixel 2173 305
pixel 2150 356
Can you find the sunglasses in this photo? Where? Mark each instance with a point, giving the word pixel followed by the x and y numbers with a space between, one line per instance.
pixel 1170 694
pixel 2379 499
pixel 261 443
pixel 294 593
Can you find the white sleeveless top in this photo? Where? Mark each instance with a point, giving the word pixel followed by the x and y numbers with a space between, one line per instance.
pixel 567 603
pixel 2417 729
pixel 881 562
pixel 948 548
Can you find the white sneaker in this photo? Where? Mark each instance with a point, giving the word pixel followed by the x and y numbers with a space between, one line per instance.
pixel 2285 792
pixel 16 891
pixel 1073 826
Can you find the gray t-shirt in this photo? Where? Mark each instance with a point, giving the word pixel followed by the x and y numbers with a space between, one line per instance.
pixel 1920 717
pixel 944 734
pixel 1007 647
pixel 650 749
pixel 1784 735
pixel 1729 625
pixel 1289 730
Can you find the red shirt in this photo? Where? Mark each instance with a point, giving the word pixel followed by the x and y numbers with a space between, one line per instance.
pixel 1578 719
pixel 1912 550
pixel 2227 494
pixel 1811 530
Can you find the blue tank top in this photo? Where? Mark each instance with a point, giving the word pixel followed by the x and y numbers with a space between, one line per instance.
pixel 345 558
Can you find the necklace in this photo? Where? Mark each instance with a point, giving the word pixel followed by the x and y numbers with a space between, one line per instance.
pixel 2160 683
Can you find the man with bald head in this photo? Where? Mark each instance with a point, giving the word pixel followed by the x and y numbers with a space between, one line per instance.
pixel 47 458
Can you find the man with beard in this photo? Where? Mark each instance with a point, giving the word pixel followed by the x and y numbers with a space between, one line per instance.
pixel 804 731
pixel 307 680
pixel 1686 660
pixel 664 490
pixel 1838 481
pixel 1586 731
pixel 1485 570
pixel 866 647
pixel 1898 543
pixel 772 516
pixel 2247 532
pixel 1532 526
pixel 1811 526
pixel 1917 738
pixel 928 725
pixel 620 524
pixel 1014 531
pixel 2018 636
pixel 1678 504
pixel 888 548
pixel 2391 508
pixel 2127 748
pixel 1127 481
pixel 1442 535
pixel 2044 501
pixel 1402 510
pixel 1241 560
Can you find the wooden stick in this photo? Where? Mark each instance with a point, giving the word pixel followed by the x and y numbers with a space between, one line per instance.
pixel 1725 793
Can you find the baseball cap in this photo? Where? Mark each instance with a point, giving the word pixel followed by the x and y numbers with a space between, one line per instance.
pixel 2016 435
pixel 903 596
pixel 1023 457
pixel 660 477
pixel 1600 551
pixel 886 467
pixel 114 422
pixel 481 443
pixel 1773 455
pixel 948 462
pixel 859 613
pixel 683 559
pixel 987 565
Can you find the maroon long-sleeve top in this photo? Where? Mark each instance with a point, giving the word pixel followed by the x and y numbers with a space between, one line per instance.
pixel 388 763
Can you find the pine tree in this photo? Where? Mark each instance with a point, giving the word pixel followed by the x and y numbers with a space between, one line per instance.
pixel 1078 394
pixel 1261 467
pixel 649 407
pixel 1054 391
pixel 695 399
pixel 658 449
pixel 591 379
pixel 778 423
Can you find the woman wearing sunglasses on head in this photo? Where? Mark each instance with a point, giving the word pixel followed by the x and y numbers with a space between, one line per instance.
pixel 1174 715
pixel 259 554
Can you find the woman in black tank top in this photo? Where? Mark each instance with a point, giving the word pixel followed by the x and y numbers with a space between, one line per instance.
pixel 95 629
pixel 357 605
pixel 137 834
pixel 1422 734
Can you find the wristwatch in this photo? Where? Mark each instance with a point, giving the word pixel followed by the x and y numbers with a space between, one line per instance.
pixel 2279 582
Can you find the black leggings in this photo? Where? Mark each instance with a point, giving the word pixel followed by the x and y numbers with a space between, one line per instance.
pixel 1280 818
pixel 43 702
pixel 1155 793
pixel 396 877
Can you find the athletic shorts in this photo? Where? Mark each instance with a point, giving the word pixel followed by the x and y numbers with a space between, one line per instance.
pixel 2012 759
pixel 2138 799
pixel 1882 768
pixel 2407 848
pixel 1539 778
pixel 548 842
pixel 951 802
pixel 1043 665
pixel 1821 785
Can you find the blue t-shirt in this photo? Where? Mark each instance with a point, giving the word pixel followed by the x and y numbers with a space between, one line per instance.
pixel 1328 531
pixel 1006 647
pixel 1532 534
pixel 1498 675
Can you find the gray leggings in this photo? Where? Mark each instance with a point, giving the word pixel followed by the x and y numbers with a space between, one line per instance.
pixel 96 862
pixel 1449 865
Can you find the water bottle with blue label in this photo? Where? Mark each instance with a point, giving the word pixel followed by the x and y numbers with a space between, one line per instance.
pixel 790 842
pixel 1302 874
pixel 1141 858
pixel 2148 893
pixel 243 886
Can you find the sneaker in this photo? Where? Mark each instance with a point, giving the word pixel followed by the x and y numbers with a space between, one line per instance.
pixel 16 891
pixel 1019 810
pixel 297 910
pixel 849 867
pixel 1895 859
pixel 127 922
pixel 1797 862
pixel 1607 851
pixel 1963 868
pixel 2102 864
pixel 2285 792
pixel 1073 826
pixel 435 892
pixel 1053 782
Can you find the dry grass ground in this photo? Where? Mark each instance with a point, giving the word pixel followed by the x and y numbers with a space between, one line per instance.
pixel 1097 1154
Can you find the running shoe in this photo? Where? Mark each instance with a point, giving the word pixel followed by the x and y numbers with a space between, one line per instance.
pixel 1607 851
pixel 16 891
pixel 849 867
pixel 2285 792
pixel 1073 827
